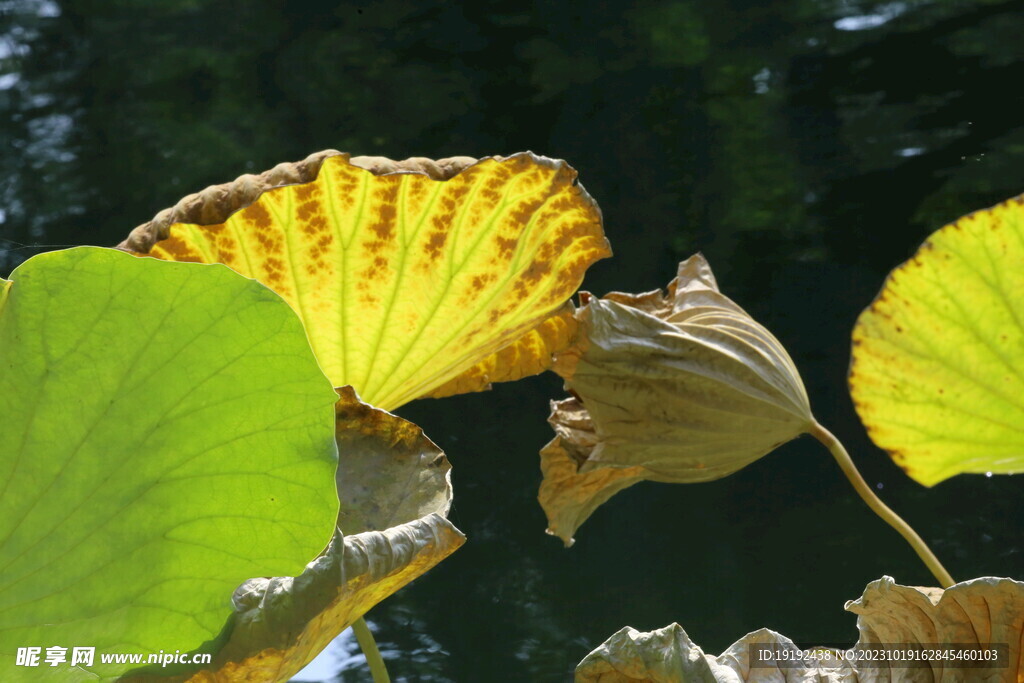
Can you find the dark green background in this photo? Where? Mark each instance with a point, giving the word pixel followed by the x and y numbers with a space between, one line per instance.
pixel 806 147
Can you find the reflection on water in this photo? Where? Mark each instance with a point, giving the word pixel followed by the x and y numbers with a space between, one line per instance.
pixel 882 14
pixel 36 132
pixel 806 147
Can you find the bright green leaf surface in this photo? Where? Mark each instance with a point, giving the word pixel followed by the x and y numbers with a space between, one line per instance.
pixel 938 359
pixel 396 491
pixel 165 434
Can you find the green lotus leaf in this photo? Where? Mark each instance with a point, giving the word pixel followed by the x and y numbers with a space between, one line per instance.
pixel 679 387
pixel 412 277
pixel 986 614
pixel 937 373
pixel 166 436
pixel 396 490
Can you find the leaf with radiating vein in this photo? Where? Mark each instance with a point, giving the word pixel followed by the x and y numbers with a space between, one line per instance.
pixel 404 281
pixel 396 490
pixel 938 359
pixel 166 435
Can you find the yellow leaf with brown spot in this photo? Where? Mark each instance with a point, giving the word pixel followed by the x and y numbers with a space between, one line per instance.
pixel 409 278
pixel 531 354
pixel 937 374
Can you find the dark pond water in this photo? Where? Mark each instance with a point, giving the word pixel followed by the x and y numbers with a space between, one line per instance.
pixel 806 147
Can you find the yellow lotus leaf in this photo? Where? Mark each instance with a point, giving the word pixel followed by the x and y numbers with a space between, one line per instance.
pixel 395 488
pixel 676 387
pixel 937 373
pixel 529 355
pixel 972 631
pixel 405 274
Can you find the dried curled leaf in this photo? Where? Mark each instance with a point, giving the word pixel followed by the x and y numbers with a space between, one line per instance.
pixel 677 387
pixel 283 623
pixel 390 473
pixel 981 613
pixel 978 612
pixel 568 494
pixel 410 277
pixel 667 655
pixel 396 491
pixel 937 373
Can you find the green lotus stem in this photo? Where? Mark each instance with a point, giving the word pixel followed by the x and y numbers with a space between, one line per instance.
pixel 369 647
pixel 881 509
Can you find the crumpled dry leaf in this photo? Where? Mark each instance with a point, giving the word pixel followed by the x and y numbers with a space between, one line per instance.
pixel 395 488
pixel 677 387
pixel 667 655
pixel 412 278
pixel 568 494
pixel 980 612
pixel 977 612
pixel 389 472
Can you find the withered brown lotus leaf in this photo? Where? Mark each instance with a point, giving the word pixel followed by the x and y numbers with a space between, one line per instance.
pixel 972 631
pixel 667 655
pixel 681 386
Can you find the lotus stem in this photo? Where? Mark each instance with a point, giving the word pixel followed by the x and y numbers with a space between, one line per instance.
pixel 369 647
pixel 881 509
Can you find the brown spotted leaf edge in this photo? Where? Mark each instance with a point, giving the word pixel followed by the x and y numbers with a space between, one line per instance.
pixel 217 202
